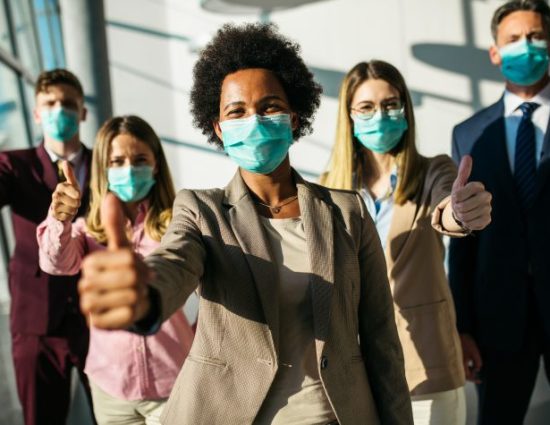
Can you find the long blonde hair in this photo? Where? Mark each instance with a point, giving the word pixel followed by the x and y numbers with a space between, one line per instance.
pixel 349 165
pixel 161 197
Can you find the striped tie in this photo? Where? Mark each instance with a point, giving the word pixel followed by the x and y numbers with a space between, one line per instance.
pixel 525 166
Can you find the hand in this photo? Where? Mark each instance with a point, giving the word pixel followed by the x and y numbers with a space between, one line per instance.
pixel 471 203
pixel 471 358
pixel 66 197
pixel 113 288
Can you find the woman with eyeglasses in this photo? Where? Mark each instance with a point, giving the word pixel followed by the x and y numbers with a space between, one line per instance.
pixel 413 200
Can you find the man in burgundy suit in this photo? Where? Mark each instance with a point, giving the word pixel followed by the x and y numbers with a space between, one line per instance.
pixel 49 335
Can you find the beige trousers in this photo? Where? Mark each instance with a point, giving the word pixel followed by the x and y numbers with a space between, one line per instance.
pixel 111 410
pixel 443 408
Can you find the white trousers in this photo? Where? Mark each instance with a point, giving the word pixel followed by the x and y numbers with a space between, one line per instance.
pixel 109 410
pixel 443 408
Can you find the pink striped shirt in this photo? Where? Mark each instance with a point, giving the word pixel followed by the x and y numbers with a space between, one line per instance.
pixel 123 364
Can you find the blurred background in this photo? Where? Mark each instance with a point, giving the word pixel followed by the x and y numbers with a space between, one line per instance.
pixel 137 56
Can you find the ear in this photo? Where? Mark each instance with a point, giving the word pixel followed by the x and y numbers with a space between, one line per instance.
pixel 494 55
pixel 217 129
pixel 36 116
pixel 83 114
pixel 294 121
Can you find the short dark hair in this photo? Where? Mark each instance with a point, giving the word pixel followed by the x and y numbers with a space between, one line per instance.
pixel 538 6
pixel 54 77
pixel 247 46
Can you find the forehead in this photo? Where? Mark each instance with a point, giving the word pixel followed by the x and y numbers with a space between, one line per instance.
pixel 374 90
pixel 248 85
pixel 59 91
pixel 126 144
pixel 519 21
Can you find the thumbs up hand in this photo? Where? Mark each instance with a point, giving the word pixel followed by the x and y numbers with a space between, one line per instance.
pixel 66 197
pixel 113 288
pixel 471 203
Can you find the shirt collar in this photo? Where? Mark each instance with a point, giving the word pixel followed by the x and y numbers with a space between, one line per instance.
pixel 73 158
pixel 512 101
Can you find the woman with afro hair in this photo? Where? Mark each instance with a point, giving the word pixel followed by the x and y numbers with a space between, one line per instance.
pixel 296 322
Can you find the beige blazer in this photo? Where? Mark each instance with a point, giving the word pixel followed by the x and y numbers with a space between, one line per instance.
pixel 424 307
pixel 216 242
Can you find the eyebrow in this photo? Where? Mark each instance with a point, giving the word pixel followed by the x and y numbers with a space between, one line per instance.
pixel 263 99
pixel 387 99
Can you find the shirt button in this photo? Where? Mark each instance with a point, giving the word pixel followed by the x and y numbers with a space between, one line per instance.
pixel 70 299
pixel 324 362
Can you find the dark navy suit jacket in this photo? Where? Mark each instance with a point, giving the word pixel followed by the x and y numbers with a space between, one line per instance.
pixel 496 272
pixel 39 302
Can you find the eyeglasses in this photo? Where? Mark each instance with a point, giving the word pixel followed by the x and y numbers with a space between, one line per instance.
pixel 392 108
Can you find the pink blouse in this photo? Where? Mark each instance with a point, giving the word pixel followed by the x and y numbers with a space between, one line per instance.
pixel 125 365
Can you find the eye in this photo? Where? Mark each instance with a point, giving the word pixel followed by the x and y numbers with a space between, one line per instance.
pixel 116 162
pixel 235 112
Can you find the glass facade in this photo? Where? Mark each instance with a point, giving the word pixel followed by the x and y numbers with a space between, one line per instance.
pixel 30 41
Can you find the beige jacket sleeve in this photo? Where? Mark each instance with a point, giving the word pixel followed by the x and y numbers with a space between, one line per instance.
pixel 379 340
pixel 440 177
pixel 178 262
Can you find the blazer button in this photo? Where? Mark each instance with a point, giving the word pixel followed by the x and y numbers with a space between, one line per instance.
pixel 324 362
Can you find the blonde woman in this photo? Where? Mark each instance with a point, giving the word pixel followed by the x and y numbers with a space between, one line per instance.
pixel 131 375
pixel 413 201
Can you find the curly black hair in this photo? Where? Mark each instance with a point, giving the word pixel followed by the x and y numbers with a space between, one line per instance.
pixel 237 47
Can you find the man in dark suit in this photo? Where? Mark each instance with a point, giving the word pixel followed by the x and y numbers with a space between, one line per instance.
pixel 49 334
pixel 500 277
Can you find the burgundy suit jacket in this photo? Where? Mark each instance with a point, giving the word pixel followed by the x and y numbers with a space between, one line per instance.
pixel 39 302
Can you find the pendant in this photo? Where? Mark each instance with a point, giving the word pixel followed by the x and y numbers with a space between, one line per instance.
pixel 275 210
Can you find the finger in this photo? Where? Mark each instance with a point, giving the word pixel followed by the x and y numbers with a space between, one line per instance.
pixel 477 201
pixel 464 171
pixel 62 216
pixel 471 188
pixel 69 190
pixel 116 318
pixel 110 280
pixel 69 174
pixel 102 260
pixel 480 213
pixel 63 199
pixel 114 222
pixel 96 302
pixel 60 208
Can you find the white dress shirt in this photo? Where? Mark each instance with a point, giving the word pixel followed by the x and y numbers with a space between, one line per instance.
pixel 76 161
pixel 512 118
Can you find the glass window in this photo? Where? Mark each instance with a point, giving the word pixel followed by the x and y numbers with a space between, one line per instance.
pixel 49 31
pixel 25 35
pixel 5 43
pixel 13 133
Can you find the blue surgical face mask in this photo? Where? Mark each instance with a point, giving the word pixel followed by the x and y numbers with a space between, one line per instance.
pixel 382 132
pixel 257 144
pixel 131 184
pixel 524 62
pixel 60 124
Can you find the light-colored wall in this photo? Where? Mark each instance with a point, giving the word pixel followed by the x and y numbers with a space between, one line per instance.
pixel 439 45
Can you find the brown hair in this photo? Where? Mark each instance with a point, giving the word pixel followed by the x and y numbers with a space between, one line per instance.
pixel 54 77
pixel 162 194
pixel 537 6
pixel 349 165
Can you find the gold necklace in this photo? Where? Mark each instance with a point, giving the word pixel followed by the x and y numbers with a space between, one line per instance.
pixel 276 209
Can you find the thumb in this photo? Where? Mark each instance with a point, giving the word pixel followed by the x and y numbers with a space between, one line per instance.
pixel 114 222
pixel 464 171
pixel 69 173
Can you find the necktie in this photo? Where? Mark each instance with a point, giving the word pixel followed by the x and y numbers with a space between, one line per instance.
pixel 525 166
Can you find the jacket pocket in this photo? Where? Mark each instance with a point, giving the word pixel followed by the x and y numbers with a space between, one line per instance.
pixel 427 335
pixel 210 361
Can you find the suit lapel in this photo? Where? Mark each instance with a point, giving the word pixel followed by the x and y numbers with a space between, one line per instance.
pixel 544 165
pixel 49 174
pixel 401 225
pixel 317 217
pixel 86 162
pixel 249 232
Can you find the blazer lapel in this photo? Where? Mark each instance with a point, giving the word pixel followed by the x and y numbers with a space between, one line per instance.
pixel 401 225
pixel 249 232
pixel 49 173
pixel 317 217
pixel 86 163
pixel 544 165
